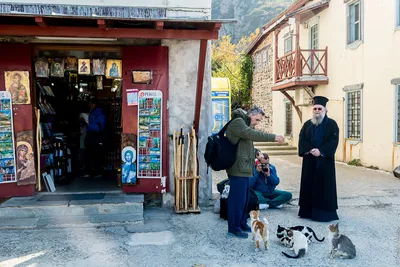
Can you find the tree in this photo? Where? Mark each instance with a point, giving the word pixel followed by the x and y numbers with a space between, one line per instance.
pixel 230 61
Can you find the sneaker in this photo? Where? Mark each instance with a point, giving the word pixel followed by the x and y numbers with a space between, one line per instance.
pixel 239 234
pixel 246 228
pixel 276 207
pixel 263 206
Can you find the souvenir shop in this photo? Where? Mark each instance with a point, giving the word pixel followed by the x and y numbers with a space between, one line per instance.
pixel 46 96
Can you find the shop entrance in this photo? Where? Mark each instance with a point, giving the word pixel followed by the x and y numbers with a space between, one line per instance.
pixel 79 100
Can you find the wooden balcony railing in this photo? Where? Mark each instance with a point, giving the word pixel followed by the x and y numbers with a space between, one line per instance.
pixel 302 62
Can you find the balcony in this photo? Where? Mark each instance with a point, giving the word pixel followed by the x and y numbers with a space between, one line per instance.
pixel 302 67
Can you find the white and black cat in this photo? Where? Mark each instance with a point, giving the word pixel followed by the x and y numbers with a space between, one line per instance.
pixel 300 244
pixel 342 246
pixel 282 234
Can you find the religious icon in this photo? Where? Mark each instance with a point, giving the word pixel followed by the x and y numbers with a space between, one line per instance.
pixel 26 172
pixel 142 76
pixel 84 66
pixel 57 67
pixel 71 63
pixel 114 68
pixel 99 66
pixel 99 82
pixel 129 166
pixel 42 68
pixel 17 83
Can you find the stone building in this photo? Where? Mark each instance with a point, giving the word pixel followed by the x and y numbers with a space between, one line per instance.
pixel 261 95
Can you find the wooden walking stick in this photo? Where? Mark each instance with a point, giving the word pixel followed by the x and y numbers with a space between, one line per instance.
pixel 39 148
pixel 194 164
pixel 186 172
pixel 175 170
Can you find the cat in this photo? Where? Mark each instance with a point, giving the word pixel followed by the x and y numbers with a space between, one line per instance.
pixel 300 244
pixel 281 233
pixel 259 230
pixel 341 244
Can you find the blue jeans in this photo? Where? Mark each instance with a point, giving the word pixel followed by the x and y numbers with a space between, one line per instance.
pixel 278 197
pixel 237 203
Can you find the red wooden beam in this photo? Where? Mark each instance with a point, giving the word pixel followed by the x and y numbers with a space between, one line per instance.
pixel 217 26
pixel 200 79
pixel 90 32
pixel 41 22
pixel 102 23
pixel 159 25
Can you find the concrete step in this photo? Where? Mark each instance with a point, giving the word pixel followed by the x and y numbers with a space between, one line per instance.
pixel 271 148
pixel 280 152
pixel 113 208
pixel 270 144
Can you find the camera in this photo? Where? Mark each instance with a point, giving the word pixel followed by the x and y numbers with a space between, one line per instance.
pixel 264 167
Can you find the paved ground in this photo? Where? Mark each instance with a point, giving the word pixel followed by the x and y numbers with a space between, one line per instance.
pixel 369 214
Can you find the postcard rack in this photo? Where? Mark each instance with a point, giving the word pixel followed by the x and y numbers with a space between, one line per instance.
pixel 185 172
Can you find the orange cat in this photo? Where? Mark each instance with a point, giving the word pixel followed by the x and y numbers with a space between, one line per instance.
pixel 259 229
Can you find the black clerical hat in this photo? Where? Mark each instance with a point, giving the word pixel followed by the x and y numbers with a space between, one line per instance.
pixel 320 100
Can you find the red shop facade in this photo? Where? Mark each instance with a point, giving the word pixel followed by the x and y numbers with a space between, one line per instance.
pixel 50 67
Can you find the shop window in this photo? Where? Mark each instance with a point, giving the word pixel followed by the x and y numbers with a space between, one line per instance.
pixel 354 114
pixel 354 22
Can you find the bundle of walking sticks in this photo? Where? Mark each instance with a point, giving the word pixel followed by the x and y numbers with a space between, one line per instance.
pixel 185 172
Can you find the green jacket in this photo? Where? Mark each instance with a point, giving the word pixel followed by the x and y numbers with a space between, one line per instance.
pixel 239 131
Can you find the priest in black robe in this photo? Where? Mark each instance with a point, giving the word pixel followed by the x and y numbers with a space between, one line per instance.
pixel 318 141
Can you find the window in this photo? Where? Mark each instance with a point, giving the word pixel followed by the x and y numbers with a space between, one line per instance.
pixel 353 121
pixel 354 22
pixel 314 37
pixel 288 118
pixel 288 45
pixel 266 56
pixel 397 115
pixel 398 13
pixel 255 61
pixel 262 59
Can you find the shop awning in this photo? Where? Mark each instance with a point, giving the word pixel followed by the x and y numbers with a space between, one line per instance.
pixel 23 25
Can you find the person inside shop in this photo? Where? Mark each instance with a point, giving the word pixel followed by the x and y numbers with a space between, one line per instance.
pixel 265 181
pixel 94 140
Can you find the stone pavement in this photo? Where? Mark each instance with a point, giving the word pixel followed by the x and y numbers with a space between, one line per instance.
pixel 355 185
pixel 369 211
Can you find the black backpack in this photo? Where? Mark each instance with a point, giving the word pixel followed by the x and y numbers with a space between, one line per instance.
pixel 220 153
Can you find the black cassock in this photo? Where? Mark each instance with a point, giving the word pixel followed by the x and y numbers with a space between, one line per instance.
pixel 318 198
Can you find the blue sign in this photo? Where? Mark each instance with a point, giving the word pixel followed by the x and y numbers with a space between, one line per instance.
pixel 219 117
pixel 221 113
pixel 222 93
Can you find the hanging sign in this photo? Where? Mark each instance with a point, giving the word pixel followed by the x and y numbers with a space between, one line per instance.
pixel 150 134
pixel 7 155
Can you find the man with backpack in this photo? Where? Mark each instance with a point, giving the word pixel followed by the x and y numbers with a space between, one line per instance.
pixel 241 131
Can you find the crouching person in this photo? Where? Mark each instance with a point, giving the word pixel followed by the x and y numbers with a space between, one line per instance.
pixel 264 183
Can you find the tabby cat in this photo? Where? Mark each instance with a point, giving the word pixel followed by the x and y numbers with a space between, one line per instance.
pixel 342 246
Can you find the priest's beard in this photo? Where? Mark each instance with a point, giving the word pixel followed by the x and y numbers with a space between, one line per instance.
pixel 317 118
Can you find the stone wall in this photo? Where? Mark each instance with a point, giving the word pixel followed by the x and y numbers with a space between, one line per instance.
pixel 263 81
pixel 181 106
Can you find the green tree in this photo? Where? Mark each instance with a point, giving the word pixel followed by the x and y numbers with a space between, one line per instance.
pixel 230 61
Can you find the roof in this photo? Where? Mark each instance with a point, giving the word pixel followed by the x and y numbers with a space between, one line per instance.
pixel 272 24
pixel 102 22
